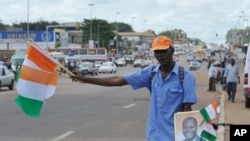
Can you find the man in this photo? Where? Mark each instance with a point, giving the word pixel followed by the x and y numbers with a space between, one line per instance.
pixel 212 74
pixel 167 94
pixel 232 75
pixel 189 129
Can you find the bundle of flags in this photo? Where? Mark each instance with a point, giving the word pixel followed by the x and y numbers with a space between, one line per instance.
pixel 37 80
pixel 209 113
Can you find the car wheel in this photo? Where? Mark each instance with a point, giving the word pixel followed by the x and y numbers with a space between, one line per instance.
pixel 11 86
pixel 247 102
pixel 92 73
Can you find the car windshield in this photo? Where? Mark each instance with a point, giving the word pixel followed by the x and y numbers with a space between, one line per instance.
pixel 84 65
pixel 106 64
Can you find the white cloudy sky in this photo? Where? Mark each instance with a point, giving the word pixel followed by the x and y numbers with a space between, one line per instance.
pixel 198 18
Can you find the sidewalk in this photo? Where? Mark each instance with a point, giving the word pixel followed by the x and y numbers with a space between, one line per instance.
pixel 232 113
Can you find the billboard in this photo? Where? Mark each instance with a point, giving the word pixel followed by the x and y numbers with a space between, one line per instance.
pixel 35 35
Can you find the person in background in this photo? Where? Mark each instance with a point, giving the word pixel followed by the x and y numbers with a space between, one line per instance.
pixel 212 75
pixel 232 76
pixel 168 95
pixel 222 78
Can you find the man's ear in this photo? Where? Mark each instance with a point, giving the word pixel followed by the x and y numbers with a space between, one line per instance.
pixel 172 50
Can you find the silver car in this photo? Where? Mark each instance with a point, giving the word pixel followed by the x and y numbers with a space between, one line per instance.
pixel 7 78
pixel 88 68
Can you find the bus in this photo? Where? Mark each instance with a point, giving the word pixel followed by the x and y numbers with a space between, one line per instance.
pixel 83 53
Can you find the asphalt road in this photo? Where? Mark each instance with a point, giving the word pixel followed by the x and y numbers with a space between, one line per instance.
pixel 84 112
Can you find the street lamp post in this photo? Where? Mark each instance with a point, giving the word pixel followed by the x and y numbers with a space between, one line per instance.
pixel 28 20
pixel 98 27
pixel 117 40
pixel 90 34
pixel 132 21
pixel 143 25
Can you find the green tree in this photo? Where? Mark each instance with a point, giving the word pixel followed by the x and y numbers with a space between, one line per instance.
pixel 39 25
pixel 122 27
pixel 167 33
pixel 101 30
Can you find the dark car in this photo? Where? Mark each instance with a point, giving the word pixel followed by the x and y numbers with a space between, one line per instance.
pixel 88 68
pixel 194 65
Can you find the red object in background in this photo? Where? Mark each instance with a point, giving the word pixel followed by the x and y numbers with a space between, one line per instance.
pixel 245 81
pixel 248 89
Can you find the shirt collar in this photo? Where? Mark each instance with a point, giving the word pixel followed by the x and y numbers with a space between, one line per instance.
pixel 174 70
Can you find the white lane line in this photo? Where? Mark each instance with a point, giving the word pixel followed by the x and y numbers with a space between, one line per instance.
pixel 128 106
pixel 63 136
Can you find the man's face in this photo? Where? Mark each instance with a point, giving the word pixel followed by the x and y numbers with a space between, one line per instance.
pixel 189 129
pixel 164 57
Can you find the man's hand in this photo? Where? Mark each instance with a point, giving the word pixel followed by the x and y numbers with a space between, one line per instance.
pixel 77 76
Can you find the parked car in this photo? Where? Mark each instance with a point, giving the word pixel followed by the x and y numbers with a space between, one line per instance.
pixel 194 65
pixel 7 78
pixel 88 68
pixel 107 67
pixel 137 63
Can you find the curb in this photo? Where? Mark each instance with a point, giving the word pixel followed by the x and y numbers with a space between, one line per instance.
pixel 221 129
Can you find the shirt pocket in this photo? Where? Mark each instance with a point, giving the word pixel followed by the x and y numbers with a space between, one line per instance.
pixel 172 94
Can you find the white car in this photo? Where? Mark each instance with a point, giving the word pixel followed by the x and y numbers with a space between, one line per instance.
pixel 7 78
pixel 120 62
pixel 107 67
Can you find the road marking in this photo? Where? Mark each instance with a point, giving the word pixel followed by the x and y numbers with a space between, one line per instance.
pixel 63 136
pixel 128 106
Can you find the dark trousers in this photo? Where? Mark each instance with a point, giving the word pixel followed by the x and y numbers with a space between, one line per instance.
pixel 211 84
pixel 231 90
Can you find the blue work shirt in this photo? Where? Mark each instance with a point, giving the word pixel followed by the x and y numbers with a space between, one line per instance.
pixel 167 97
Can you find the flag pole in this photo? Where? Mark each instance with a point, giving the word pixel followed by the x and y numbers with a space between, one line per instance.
pixel 58 63
pixel 64 68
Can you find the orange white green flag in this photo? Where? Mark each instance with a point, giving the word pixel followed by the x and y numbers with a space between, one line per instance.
pixel 37 80
pixel 209 113
pixel 208 132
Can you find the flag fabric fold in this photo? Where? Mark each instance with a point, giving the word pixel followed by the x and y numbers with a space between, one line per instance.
pixel 37 80
pixel 209 113
pixel 208 132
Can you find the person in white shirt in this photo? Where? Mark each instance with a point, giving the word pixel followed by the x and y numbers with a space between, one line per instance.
pixel 212 74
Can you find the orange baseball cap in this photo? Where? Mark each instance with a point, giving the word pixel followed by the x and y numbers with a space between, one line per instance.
pixel 161 43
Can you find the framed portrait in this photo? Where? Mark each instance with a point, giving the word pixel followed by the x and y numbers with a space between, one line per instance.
pixel 188 125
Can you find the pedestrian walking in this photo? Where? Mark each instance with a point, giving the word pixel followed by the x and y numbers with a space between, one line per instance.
pixel 212 75
pixel 222 78
pixel 232 77
pixel 168 94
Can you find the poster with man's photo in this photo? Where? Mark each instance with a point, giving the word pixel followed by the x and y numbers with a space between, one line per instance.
pixel 188 126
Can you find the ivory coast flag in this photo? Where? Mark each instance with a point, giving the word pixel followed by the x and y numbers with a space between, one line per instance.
pixel 37 80
pixel 209 113
pixel 208 132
